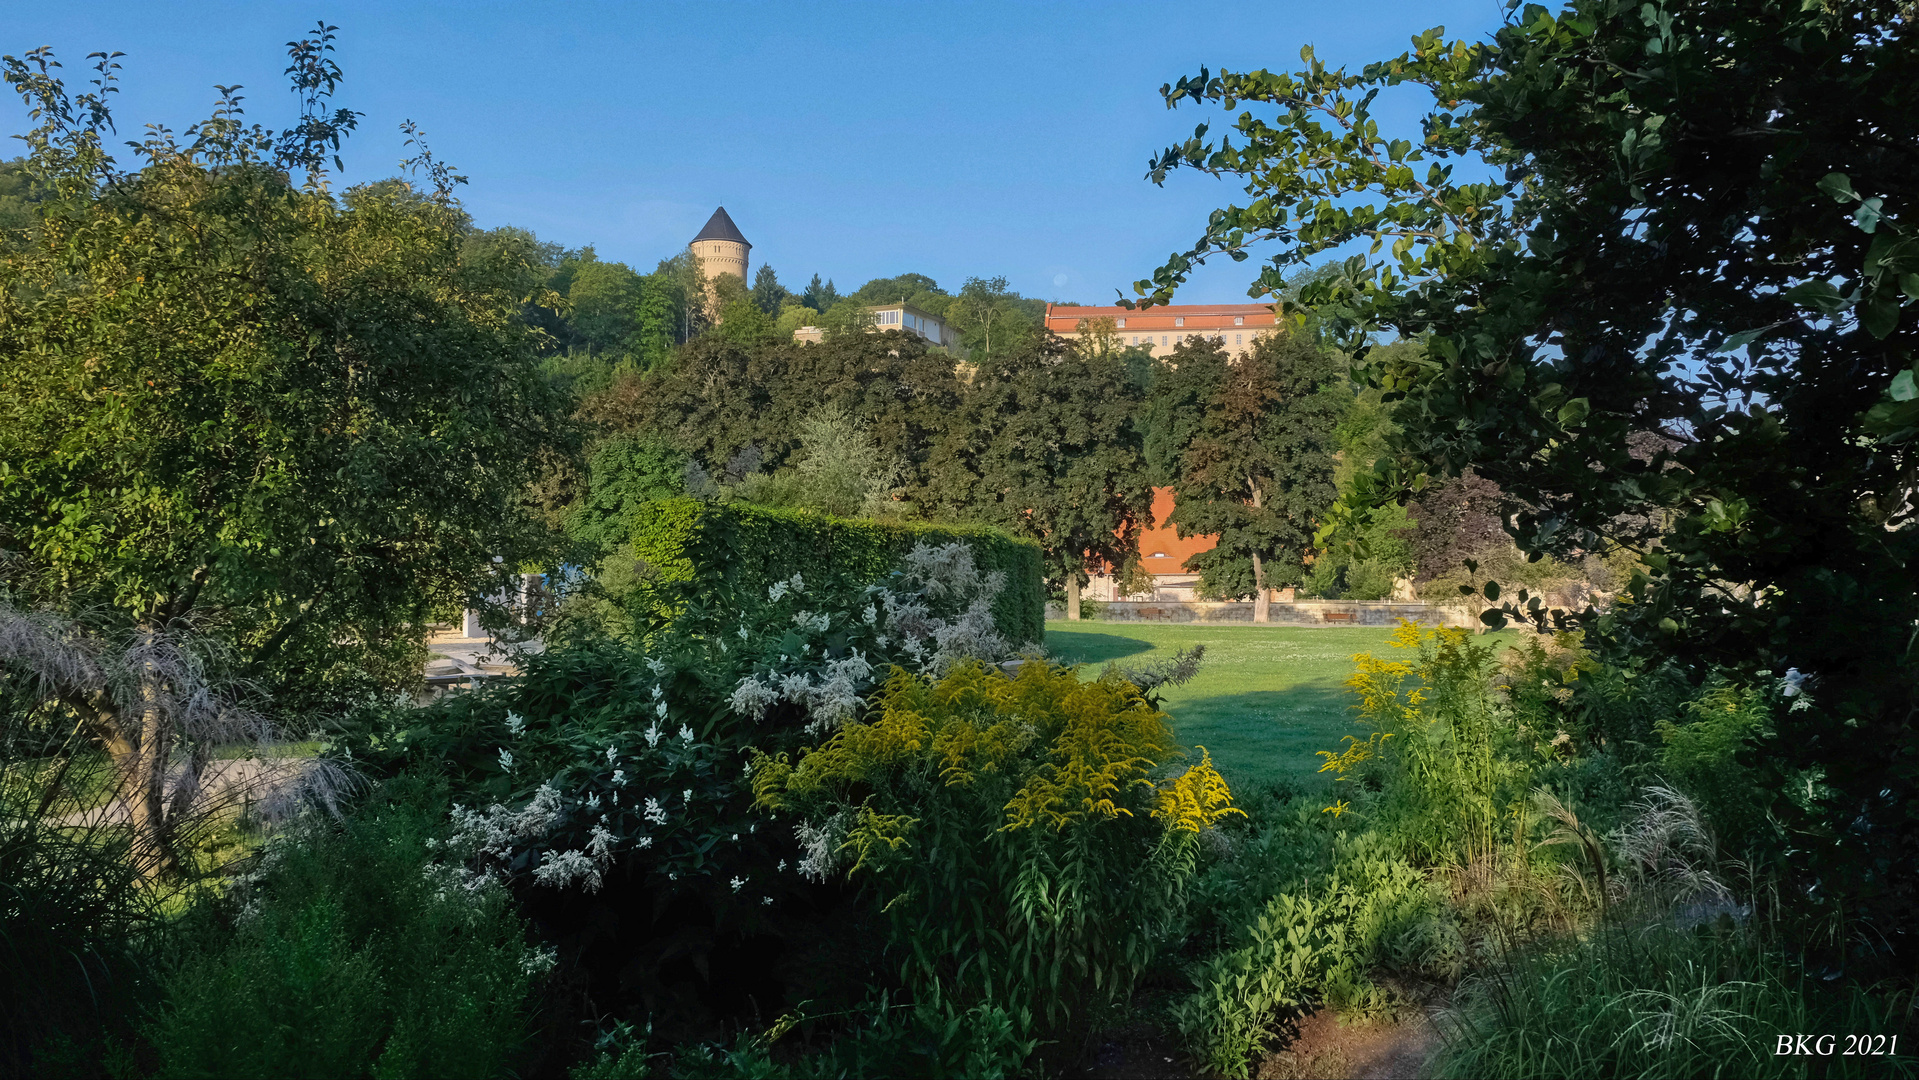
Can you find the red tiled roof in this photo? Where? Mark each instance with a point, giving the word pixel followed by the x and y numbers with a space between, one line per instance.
pixel 1163 538
pixel 1063 320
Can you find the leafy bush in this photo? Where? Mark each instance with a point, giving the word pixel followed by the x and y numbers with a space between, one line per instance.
pixel 746 549
pixel 1024 835
pixel 1428 845
pixel 1452 772
pixel 1364 556
pixel 1317 942
pixel 349 954
pixel 1700 753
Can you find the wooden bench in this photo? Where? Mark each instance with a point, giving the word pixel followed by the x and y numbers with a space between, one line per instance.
pixel 1340 616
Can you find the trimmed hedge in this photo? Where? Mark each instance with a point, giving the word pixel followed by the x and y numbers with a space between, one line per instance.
pixel 752 547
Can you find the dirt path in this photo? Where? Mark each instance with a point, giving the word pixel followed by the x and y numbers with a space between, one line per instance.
pixel 1316 1047
pixel 1326 1048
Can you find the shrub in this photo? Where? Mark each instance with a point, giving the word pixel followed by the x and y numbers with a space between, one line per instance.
pixel 605 785
pixel 1451 774
pixel 1700 753
pixel 744 549
pixel 349 954
pixel 1025 836
pixel 1316 943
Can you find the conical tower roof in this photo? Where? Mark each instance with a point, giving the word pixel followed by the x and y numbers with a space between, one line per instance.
pixel 721 227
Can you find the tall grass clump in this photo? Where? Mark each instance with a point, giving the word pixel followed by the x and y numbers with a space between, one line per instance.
pixel 1677 977
pixel 350 952
pixel 1662 999
pixel 76 916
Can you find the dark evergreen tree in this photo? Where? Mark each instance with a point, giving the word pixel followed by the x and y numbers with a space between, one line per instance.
pixel 768 294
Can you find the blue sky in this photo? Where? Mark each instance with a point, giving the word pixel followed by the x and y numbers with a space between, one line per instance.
pixel 852 140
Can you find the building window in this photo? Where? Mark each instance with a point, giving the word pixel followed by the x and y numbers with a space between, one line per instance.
pixel 1239 320
pixel 1122 324
pixel 1179 320
pixel 1162 339
pixel 1238 339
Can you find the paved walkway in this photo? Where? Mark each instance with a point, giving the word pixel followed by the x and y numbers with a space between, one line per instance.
pixel 228 781
pixel 456 660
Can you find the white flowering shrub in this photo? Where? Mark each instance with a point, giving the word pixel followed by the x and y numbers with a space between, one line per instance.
pixel 606 762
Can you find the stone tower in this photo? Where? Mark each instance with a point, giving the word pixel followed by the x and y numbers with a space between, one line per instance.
pixel 720 249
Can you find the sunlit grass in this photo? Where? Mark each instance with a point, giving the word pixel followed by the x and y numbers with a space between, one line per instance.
pixel 1266 699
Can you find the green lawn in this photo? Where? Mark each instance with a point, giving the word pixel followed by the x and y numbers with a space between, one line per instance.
pixel 1265 699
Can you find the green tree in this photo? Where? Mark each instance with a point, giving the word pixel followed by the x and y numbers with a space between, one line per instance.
pixel 515 258
pixel 727 290
pixel 743 323
pixel 1047 447
pixel 792 317
pixel 624 474
pixel 848 318
pixel 721 398
pixel 295 419
pixel 662 317
pixel 768 294
pixel 841 470
pixel 605 299
pixel 1674 316
pixel 820 298
pixel 992 319
pixel 1249 446
pixel 19 197
pixel 916 289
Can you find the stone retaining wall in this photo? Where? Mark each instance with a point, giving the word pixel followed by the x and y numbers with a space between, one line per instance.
pixel 1294 613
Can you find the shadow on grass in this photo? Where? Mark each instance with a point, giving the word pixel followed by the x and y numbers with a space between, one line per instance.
pixel 1094 647
pixel 1268 736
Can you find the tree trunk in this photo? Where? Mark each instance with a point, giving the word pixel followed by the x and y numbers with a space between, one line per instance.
pixel 146 778
pixel 1262 603
pixel 1072 596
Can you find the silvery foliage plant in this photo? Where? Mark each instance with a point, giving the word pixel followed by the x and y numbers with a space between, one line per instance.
pixel 934 612
pixel 659 786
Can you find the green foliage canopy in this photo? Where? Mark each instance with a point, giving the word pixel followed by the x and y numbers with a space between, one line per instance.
pixel 1048 448
pixel 228 398
pixel 1249 447
pixel 1674 318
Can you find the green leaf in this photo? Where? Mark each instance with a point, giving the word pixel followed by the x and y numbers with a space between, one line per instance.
pixel 1839 186
pixel 1574 412
pixel 1820 295
pixel 1903 388
pixel 1743 338
pixel 1868 215
pixel 1879 315
pixel 1493 618
pixel 1492 591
